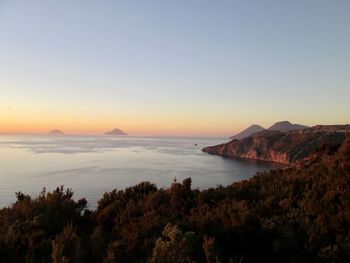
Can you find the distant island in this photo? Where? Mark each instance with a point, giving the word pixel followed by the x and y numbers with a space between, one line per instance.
pixel 56 132
pixel 278 126
pixel 116 132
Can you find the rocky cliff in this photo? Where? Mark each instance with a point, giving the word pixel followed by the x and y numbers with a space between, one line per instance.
pixel 277 146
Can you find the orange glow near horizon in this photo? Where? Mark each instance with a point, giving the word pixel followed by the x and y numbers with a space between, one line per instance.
pixel 28 119
pixel 152 129
pixel 95 119
pixel 133 125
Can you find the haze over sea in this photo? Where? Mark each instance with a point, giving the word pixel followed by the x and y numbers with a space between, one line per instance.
pixel 92 165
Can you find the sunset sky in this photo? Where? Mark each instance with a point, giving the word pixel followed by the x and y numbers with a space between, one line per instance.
pixel 206 68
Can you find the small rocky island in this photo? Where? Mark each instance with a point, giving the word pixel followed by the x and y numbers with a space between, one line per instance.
pixel 56 132
pixel 116 132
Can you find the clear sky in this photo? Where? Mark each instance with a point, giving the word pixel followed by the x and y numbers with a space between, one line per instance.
pixel 179 67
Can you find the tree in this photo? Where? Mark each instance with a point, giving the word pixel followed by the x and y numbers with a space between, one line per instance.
pixel 174 246
pixel 66 246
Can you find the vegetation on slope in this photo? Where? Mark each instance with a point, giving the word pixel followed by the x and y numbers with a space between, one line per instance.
pixel 298 214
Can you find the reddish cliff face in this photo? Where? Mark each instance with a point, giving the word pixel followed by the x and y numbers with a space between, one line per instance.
pixel 276 146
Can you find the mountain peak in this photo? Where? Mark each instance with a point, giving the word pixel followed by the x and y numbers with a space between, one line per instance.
pixel 287 126
pixel 283 122
pixel 247 132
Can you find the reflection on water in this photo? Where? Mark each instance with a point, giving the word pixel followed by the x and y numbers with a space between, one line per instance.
pixel 92 165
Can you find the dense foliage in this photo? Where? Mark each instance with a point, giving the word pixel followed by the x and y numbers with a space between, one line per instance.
pixel 297 214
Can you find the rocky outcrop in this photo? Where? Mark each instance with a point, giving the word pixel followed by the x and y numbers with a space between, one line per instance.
pixel 277 146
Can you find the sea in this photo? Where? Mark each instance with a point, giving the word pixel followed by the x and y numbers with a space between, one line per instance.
pixel 93 165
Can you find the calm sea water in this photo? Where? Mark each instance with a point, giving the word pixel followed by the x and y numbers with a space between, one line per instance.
pixel 92 165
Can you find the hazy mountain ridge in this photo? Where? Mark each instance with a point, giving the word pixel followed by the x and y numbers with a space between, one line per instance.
pixel 284 147
pixel 287 126
pixel 279 126
pixel 247 132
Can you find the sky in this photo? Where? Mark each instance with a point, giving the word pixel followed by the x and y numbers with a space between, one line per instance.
pixel 185 67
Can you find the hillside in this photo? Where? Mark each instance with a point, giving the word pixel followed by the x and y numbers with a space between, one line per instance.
pixel 278 146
